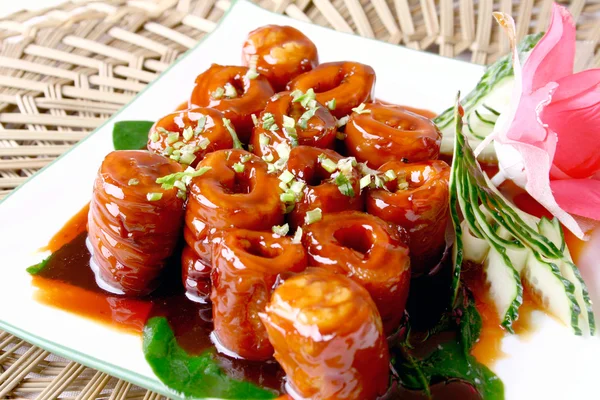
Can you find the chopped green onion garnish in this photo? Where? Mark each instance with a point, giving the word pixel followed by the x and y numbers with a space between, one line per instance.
pixel 402 185
pixel 342 121
pixel 230 90
pixel 188 133
pixel 378 182
pixel 181 194
pixel 200 125
pixel 263 139
pixel 303 120
pixel 284 186
pixel 175 157
pixel 238 167
pixel 303 98
pixel 172 137
pixel 327 164
pixel 154 196
pixel 287 197
pixel 390 174
pixel 345 165
pixel 297 187
pixel 203 144
pixel 365 181
pixel 178 145
pixel 154 136
pixel 331 104
pixel 218 93
pixel 236 141
pixel 245 158
pixel 168 181
pixel 187 158
pixel 289 122
pixel 283 150
pixel 268 121
pixel 297 236
pixel 133 182
pixel 268 158
pixel 281 230
pixel 344 185
pixel 274 127
pixel 286 176
pixel 251 74
pixel 180 185
pixel 254 119
pixel 313 216
pixel 361 109
pixel 168 151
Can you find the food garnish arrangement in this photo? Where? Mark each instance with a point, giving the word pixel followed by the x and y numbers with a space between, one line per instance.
pixel 285 233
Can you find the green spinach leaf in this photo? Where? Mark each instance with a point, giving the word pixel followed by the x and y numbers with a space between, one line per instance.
pixel 131 135
pixel 192 376
pixel 35 269
pixel 450 359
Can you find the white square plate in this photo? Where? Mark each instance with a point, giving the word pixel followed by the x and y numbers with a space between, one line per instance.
pixel 551 364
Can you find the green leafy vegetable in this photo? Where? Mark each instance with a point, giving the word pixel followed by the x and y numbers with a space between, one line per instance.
pixel 131 135
pixel 35 269
pixel 449 359
pixel 192 376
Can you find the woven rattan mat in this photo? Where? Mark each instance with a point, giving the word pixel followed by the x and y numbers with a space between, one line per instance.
pixel 65 70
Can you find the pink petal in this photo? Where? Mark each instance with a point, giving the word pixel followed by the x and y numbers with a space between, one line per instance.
pixel 537 168
pixel 576 119
pixel 578 196
pixel 553 57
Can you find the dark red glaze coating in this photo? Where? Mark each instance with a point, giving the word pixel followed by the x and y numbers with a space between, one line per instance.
pixel 280 53
pixel 320 129
pixel 349 83
pixel 214 131
pixel 391 133
pixel 132 237
pixel 223 199
pixel 417 201
pixel 252 95
pixel 328 337
pixel 245 267
pixel 320 191
pixel 370 251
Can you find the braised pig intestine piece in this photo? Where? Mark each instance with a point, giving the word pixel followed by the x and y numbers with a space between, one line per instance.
pixel 341 86
pixel 328 337
pixel 224 198
pixel 286 120
pixel 310 166
pixel 235 93
pixel 246 264
pixel 280 53
pixel 370 251
pixel 187 136
pixel 133 223
pixel 417 200
pixel 384 132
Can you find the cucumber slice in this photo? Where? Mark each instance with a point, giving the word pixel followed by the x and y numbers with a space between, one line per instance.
pixel 553 231
pixel 506 290
pixel 475 249
pixel 518 257
pixel 556 293
pixel 484 104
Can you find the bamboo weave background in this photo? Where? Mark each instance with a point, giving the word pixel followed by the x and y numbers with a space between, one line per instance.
pixel 65 70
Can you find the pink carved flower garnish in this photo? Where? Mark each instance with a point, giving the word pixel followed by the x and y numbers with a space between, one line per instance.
pixel 549 141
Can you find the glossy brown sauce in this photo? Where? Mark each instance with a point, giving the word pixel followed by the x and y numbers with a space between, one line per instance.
pixel 68 283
